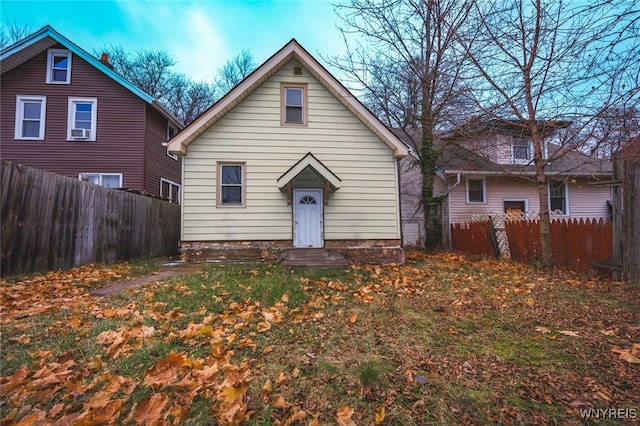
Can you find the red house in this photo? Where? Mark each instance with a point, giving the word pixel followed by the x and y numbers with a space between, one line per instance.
pixel 69 113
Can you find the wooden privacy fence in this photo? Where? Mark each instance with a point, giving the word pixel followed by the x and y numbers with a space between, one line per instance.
pixel 576 243
pixel 473 238
pixel 52 222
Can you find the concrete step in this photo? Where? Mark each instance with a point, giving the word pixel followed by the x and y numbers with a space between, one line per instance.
pixel 314 257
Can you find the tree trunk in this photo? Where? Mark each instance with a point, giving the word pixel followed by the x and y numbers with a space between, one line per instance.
pixel 543 196
pixel 428 158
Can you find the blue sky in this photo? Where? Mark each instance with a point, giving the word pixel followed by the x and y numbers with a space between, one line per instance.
pixel 199 35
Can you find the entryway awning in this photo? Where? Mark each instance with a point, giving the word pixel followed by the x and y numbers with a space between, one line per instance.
pixel 310 162
pixel 316 165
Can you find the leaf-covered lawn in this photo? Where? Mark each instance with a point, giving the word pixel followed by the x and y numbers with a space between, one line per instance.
pixel 440 340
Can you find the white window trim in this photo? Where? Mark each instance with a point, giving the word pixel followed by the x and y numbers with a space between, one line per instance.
pixel 526 202
pixel 170 182
pixel 521 160
pixel 58 52
pixel 20 101
pixel 85 177
pixel 566 196
pixel 175 131
pixel 484 189
pixel 71 117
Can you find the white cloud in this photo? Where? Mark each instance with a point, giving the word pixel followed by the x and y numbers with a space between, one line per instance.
pixel 197 46
pixel 184 30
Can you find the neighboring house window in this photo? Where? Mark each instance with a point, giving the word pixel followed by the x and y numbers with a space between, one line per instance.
pixel 171 132
pixel 59 66
pixel 30 116
pixel 294 104
pixel 170 190
pixel 476 191
pixel 110 180
pixel 231 186
pixel 516 205
pixel 558 196
pixel 522 151
pixel 81 124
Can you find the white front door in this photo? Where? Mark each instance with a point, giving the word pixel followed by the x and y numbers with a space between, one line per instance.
pixel 307 218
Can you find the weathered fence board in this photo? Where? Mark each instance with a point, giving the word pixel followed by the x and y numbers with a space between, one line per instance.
pixel 51 222
pixel 576 244
pixel 473 238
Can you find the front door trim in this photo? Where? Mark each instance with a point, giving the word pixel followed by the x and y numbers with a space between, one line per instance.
pixel 308 221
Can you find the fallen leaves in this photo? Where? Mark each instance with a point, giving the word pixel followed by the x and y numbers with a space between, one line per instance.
pixel 631 356
pixel 234 362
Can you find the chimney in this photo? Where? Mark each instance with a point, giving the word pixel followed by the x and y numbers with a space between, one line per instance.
pixel 105 60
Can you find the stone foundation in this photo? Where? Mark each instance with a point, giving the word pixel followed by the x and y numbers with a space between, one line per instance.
pixel 380 252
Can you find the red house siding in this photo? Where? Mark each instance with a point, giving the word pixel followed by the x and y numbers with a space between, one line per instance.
pixel 120 134
pixel 158 164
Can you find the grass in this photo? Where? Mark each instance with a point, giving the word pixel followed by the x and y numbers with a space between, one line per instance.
pixel 440 340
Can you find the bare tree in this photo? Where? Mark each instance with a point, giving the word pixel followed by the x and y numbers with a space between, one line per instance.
pixel 189 99
pixel 401 57
pixel 546 61
pixel 12 32
pixel 235 70
pixel 151 71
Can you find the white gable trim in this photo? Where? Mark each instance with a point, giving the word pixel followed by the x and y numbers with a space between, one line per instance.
pixel 291 50
pixel 309 161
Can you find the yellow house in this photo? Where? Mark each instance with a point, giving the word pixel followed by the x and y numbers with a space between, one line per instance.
pixel 289 161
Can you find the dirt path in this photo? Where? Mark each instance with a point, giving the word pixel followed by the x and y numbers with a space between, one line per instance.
pixel 173 271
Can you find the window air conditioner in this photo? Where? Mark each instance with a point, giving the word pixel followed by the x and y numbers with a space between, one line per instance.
pixel 80 133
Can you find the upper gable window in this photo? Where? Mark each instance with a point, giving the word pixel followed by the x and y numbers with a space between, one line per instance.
pixel 30 115
pixel 522 151
pixel 59 66
pixel 294 104
pixel 81 124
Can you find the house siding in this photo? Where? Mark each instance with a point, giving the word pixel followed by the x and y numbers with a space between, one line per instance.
pixel 119 146
pixel 158 164
pixel 365 207
pixel 411 212
pixel 584 201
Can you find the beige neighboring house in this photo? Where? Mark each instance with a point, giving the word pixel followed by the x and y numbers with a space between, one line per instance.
pixel 487 170
pixel 289 159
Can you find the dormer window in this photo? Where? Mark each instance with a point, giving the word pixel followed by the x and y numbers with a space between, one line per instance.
pixel 522 151
pixel 294 104
pixel 58 66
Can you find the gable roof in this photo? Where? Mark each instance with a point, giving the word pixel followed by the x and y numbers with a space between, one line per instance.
pixel 455 158
pixel 310 161
pixel 46 37
pixel 292 50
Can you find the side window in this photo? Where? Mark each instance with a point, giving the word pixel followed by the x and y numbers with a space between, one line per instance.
pixel 82 119
pixel 30 117
pixel 558 197
pixel 476 191
pixel 294 104
pixel 231 184
pixel 522 151
pixel 58 66
pixel 110 180
pixel 171 132
pixel 170 190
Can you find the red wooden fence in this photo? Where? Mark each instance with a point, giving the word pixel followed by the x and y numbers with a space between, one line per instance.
pixel 576 243
pixel 472 238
